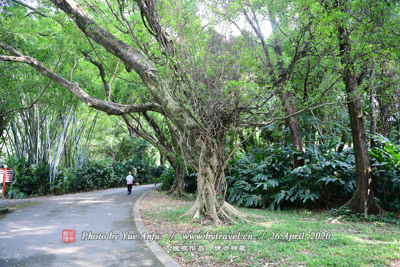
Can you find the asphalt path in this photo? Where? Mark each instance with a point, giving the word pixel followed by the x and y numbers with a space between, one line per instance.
pixel 31 234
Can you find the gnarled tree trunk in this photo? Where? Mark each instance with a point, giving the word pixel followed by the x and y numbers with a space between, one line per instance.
pixel 210 199
pixel 210 165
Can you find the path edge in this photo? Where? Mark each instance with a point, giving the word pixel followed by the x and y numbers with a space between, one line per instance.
pixel 162 256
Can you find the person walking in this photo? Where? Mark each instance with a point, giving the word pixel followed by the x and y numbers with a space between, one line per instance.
pixel 129 182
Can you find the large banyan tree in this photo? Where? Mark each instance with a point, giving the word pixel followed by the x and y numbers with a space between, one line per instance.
pixel 194 85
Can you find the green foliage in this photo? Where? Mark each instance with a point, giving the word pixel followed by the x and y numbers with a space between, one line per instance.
pixel 385 165
pixel 146 172
pixel 166 179
pixel 29 179
pixel 253 179
pixel 93 175
pixel 33 179
pixel 265 178
pixel 15 193
pixel 64 182
pixel 387 154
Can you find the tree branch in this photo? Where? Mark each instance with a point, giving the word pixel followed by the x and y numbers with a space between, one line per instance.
pixel 110 108
pixel 30 7
pixel 165 150
pixel 261 38
pixel 102 73
pixel 132 58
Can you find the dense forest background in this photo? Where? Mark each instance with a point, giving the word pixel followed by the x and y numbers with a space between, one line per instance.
pixel 264 104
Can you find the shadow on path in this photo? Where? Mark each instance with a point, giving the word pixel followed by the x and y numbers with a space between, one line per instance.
pixel 31 235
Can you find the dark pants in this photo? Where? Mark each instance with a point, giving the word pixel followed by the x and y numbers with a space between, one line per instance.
pixel 129 188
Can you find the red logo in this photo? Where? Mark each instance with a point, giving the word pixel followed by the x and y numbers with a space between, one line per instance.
pixel 68 236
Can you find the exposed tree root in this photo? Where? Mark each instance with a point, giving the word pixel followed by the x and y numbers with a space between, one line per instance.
pixel 364 204
pixel 230 210
pixel 226 213
pixel 194 211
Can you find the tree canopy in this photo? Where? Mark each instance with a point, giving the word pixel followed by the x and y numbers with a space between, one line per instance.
pixel 201 94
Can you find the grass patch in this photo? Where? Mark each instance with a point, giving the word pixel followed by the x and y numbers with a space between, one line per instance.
pixel 279 238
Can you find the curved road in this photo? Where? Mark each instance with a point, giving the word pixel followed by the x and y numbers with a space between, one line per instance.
pixel 31 235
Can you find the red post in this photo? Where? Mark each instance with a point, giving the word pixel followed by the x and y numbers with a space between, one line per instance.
pixel 4 182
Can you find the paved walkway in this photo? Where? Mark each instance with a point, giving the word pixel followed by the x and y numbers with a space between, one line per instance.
pixel 31 235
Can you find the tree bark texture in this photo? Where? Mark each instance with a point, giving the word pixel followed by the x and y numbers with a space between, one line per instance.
pixel 210 199
pixel 178 187
pixel 363 200
pixel 211 175
pixel 293 124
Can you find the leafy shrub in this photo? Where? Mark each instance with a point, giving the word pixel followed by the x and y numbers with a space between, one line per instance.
pixel 93 175
pixel 63 180
pixel 328 176
pixel 33 179
pixel 385 162
pixel 266 178
pixel 254 179
pixel 166 179
pixel 146 171
pixel 29 179
pixel 15 193
pixel 156 172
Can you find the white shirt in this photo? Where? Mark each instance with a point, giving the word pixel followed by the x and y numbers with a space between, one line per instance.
pixel 129 179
